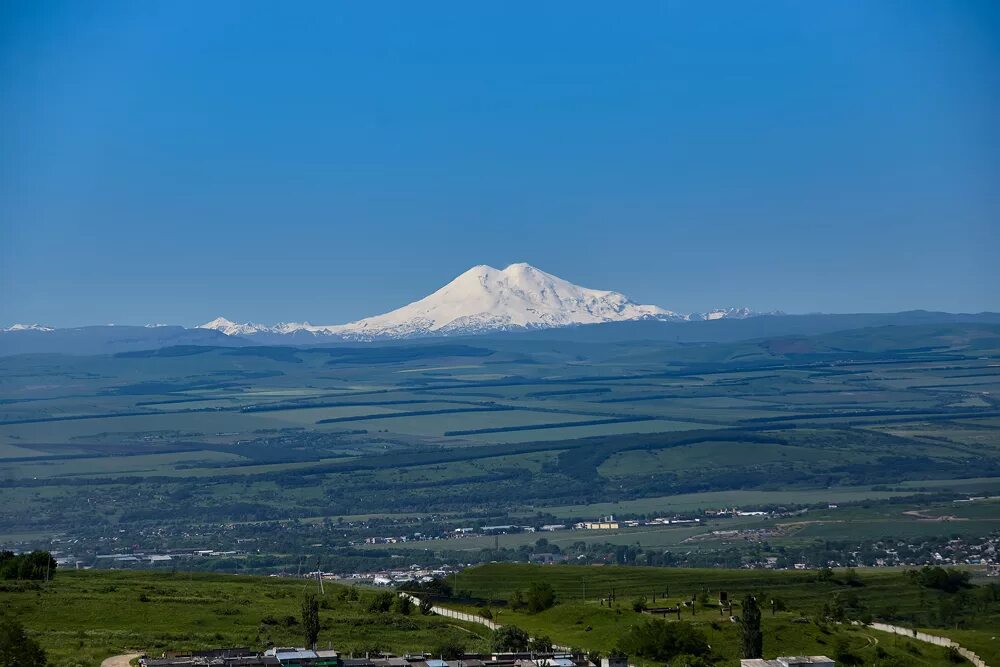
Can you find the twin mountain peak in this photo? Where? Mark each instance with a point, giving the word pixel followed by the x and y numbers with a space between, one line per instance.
pixel 484 300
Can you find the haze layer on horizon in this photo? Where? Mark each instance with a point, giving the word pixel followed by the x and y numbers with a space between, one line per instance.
pixel 174 161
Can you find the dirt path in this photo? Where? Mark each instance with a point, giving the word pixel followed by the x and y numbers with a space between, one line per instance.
pixel 119 660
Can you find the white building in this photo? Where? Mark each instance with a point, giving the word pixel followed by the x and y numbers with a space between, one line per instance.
pixel 790 661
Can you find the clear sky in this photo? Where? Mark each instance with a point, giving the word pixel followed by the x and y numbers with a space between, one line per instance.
pixel 174 161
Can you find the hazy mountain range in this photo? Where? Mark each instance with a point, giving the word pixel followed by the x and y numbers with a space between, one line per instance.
pixel 483 300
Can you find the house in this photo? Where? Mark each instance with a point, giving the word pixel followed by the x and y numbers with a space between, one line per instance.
pixel 600 525
pixel 206 661
pixel 301 657
pixel 547 559
pixel 498 529
pixel 790 661
pixel 555 661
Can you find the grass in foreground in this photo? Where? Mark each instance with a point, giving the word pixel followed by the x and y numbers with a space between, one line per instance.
pixel 579 618
pixel 83 617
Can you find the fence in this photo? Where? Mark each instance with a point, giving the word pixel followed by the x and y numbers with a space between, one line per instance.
pixel 930 639
pixel 458 615
pixel 882 627
pixel 470 618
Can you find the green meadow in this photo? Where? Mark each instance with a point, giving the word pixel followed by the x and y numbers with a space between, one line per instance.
pixel 82 617
pixel 584 615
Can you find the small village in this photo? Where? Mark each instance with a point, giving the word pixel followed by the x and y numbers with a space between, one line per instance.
pixel 302 657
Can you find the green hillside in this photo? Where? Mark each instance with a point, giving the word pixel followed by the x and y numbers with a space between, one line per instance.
pixel 82 617
pixel 580 618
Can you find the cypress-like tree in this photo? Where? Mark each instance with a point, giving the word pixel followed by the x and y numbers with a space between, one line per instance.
pixel 310 619
pixel 751 637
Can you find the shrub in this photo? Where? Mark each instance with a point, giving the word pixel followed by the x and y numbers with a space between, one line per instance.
pixel 686 660
pixel 540 596
pixel 509 638
pixel 541 644
pixel 381 603
pixel 403 605
pixel 438 588
pixel 949 581
pixel 662 641
pixel 851 578
pixel 845 655
pixel 17 649
pixel 955 657
pixel 449 649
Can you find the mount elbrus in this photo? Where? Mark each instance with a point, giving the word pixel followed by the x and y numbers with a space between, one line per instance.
pixel 485 299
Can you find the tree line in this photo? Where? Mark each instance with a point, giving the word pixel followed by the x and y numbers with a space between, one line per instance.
pixel 37 565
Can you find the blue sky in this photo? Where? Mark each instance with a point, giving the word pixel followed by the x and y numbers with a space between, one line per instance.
pixel 174 161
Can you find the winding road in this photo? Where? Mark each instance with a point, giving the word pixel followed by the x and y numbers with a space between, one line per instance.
pixel 122 660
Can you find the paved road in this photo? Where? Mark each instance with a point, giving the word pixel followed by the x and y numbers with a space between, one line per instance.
pixel 119 660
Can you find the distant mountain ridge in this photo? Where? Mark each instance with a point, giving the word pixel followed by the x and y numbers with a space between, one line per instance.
pixel 109 339
pixel 27 327
pixel 487 300
pixel 519 300
pixel 113 339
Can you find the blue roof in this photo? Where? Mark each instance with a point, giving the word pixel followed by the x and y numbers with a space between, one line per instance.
pixel 295 655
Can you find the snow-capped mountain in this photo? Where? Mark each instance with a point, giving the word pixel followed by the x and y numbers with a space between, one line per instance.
pixel 728 313
pixel 28 327
pixel 488 299
pixel 236 328
pixel 485 299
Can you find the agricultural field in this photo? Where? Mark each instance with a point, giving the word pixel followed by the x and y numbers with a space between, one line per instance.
pixel 177 446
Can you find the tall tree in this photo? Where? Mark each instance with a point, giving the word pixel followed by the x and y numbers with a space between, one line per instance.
pixel 310 619
pixel 751 637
